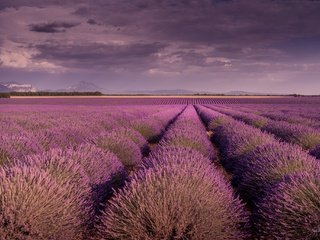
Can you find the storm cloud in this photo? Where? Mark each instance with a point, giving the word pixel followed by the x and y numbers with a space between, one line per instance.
pixel 53 27
pixel 216 45
pixel 98 55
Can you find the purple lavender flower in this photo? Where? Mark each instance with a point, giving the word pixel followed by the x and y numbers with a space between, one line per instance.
pixel 237 139
pixel 103 168
pixel 188 131
pixel 175 199
pixel 33 205
pixel 150 129
pixel 165 154
pixel 125 149
pixel 17 146
pixel 304 136
pixel 291 209
pixel 196 141
pixel 211 118
pixel 133 135
pixel 268 164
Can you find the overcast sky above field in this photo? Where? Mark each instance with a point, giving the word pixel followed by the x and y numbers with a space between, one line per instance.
pixel 204 45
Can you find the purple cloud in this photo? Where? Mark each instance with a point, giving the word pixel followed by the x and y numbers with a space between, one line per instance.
pixel 222 45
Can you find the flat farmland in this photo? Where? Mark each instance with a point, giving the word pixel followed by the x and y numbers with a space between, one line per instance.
pixel 160 167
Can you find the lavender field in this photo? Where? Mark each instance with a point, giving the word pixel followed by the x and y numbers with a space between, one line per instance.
pixel 160 168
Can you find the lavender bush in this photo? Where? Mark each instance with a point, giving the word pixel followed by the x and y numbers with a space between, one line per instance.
pixel 299 134
pixel 123 147
pixel 268 164
pixel 188 131
pixel 249 118
pixel 17 146
pixel 148 128
pixel 304 136
pixel 64 170
pixel 33 205
pixel 61 166
pixel 98 164
pixel 197 141
pixel 133 135
pixel 175 199
pixel 212 119
pixel 103 168
pixel 237 139
pixel 166 154
pixel 291 210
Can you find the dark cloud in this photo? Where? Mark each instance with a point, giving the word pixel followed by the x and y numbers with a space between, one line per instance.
pixel 53 27
pixel 255 39
pixel 99 56
pixel 92 22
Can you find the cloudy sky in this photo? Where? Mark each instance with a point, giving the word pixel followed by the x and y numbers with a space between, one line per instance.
pixel 270 46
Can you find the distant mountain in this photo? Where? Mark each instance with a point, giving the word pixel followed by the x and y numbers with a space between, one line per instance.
pixel 82 86
pixel 16 87
pixel 241 93
pixel 3 89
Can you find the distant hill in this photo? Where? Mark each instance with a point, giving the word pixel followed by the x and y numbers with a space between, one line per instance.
pixel 83 86
pixel 241 93
pixel 16 87
pixel 4 89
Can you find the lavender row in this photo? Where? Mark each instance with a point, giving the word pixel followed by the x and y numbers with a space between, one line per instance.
pixel 177 194
pixel 157 100
pixel 302 113
pixel 304 136
pixel 57 194
pixel 188 131
pixel 37 131
pixel 279 180
pixel 131 143
pixel 298 114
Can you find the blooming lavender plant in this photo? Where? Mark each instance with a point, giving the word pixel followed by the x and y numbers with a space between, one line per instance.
pixel 148 128
pixel 249 118
pixel 33 205
pixel 188 131
pixel 64 170
pixel 103 168
pixel 61 166
pixel 17 146
pixel 237 139
pixel 212 119
pixel 299 134
pixel 291 209
pixel 304 136
pixel 133 135
pixel 175 199
pixel 197 141
pixel 123 147
pixel 268 164
pixel 165 154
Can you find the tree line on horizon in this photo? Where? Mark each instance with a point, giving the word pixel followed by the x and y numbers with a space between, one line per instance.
pixel 8 95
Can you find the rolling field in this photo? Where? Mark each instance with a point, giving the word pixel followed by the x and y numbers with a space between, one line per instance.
pixel 160 168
